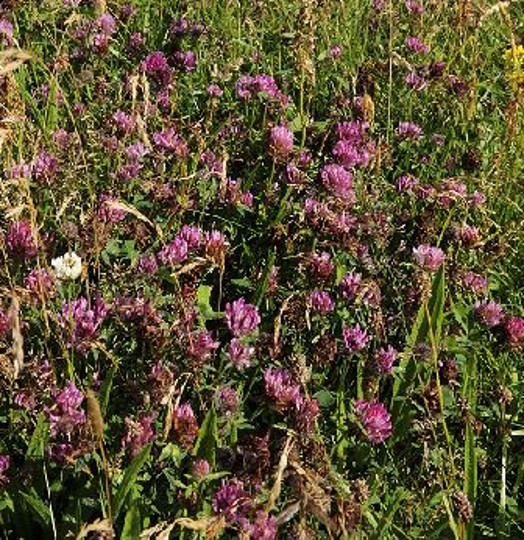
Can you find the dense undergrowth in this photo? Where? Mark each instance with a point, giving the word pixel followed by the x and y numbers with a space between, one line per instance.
pixel 261 269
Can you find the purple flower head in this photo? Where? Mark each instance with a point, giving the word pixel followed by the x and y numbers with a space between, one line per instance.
pixel 61 138
pixel 215 244
pixel 304 159
pixel 407 183
pixel 127 11
pixel 335 52
pixel 20 170
pixel 321 265
pixel 280 389
pixel 6 28
pixel 185 425
pixel 350 285
pixel 39 282
pixel 489 312
pixel 263 85
pixel 107 24
pixel 227 400
pixel 200 469
pixel 477 199
pixel 138 434
pixel 457 85
pixel 20 241
pixel 232 501
pixel 263 528
pixel 155 64
pixel 293 175
pixel 350 155
pixel 135 152
pixel 414 7
pixel 338 181
pixel 185 60
pixel 409 130
pixel 416 45
pixel 213 90
pixel 280 142
pixel 321 302
pixel 171 141
pixel 65 414
pixel 375 419
pixel 355 338
pixel 5 463
pixel 475 282
pixel 385 359
pixel 147 264
pixel 124 122
pixel 61 452
pixel 174 252
pixel 81 323
pixel 354 132
pixel 192 235
pixel 202 346
pixel 136 42
pixel 469 235
pixel 415 81
pixel 108 210
pixel 241 317
pixel 515 331
pixel 428 257
pixel 100 43
pixel 129 172
pixel 306 413
pixel 45 166
pixel 239 354
pixel 5 323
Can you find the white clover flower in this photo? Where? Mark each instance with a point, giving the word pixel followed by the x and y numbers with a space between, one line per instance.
pixel 68 266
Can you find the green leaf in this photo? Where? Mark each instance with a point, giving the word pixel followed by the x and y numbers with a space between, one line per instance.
pixel 427 327
pixel 37 506
pixel 133 521
pixel 325 398
pixel 205 446
pixel 38 439
pixel 471 474
pixel 204 303
pixel 130 477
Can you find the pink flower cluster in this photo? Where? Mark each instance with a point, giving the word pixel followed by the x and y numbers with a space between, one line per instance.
pixel 280 142
pixel 185 425
pixel 241 317
pixel 138 433
pixel 249 86
pixel 428 257
pixel 81 323
pixel 20 241
pixel 338 181
pixel 65 414
pixel 321 302
pixel 355 338
pixel 375 419
pixel 353 149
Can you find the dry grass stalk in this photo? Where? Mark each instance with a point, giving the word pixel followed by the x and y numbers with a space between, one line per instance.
pixel 18 339
pixel 305 41
pixel 12 59
pixel 95 415
pixel 282 465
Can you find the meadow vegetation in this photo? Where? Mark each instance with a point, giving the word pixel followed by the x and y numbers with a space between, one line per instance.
pixel 261 269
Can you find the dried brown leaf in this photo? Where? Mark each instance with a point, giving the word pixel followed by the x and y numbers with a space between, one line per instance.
pixel 101 526
pixel 12 59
